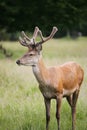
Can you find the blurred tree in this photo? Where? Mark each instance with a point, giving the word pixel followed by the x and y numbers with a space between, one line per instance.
pixel 69 16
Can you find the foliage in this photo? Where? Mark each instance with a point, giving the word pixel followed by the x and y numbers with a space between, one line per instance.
pixel 21 103
pixel 68 16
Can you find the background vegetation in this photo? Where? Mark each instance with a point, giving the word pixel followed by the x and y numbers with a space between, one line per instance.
pixel 21 103
pixel 69 16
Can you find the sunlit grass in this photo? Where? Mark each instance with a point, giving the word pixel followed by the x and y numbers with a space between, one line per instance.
pixel 21 103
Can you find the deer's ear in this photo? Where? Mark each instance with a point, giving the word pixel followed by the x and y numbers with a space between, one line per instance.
pixel 39 47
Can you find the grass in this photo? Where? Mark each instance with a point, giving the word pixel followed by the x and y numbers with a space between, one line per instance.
pixel 21 103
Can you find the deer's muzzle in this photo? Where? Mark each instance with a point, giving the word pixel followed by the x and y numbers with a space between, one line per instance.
pixel 18 62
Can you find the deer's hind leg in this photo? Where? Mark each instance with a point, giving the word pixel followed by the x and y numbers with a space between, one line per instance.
pixel 72 101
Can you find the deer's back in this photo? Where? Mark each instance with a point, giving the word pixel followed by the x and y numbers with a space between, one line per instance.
pixel 72 74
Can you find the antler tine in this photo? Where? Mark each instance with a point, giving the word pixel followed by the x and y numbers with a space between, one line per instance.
pixel 25 36
pixel 35 32
pixel 54 30
pixel 22 41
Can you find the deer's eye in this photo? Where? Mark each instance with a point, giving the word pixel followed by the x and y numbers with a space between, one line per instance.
pixel 30 54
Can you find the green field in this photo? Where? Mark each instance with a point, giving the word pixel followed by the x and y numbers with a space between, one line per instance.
pixel 21 103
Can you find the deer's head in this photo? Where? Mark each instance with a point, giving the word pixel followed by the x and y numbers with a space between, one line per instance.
pixel 34 49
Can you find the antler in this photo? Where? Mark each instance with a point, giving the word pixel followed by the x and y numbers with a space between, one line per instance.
pixel 35 33
pixel 26 41
pixel 54 30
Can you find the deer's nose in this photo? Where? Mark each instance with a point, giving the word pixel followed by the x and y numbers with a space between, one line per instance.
pixel 18 62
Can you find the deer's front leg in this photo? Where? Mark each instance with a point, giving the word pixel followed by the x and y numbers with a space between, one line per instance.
pixel 58 106
pixel 47 106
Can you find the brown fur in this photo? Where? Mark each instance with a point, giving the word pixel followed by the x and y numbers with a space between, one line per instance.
pixel 68 76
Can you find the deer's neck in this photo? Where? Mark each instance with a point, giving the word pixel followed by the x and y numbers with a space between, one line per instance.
pixel 41 72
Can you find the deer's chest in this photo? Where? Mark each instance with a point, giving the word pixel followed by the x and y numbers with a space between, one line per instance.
pixel 48 91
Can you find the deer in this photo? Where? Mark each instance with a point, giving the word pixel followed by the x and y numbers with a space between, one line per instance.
pixel 55 82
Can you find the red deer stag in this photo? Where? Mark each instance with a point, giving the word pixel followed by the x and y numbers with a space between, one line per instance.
pixel 54 82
